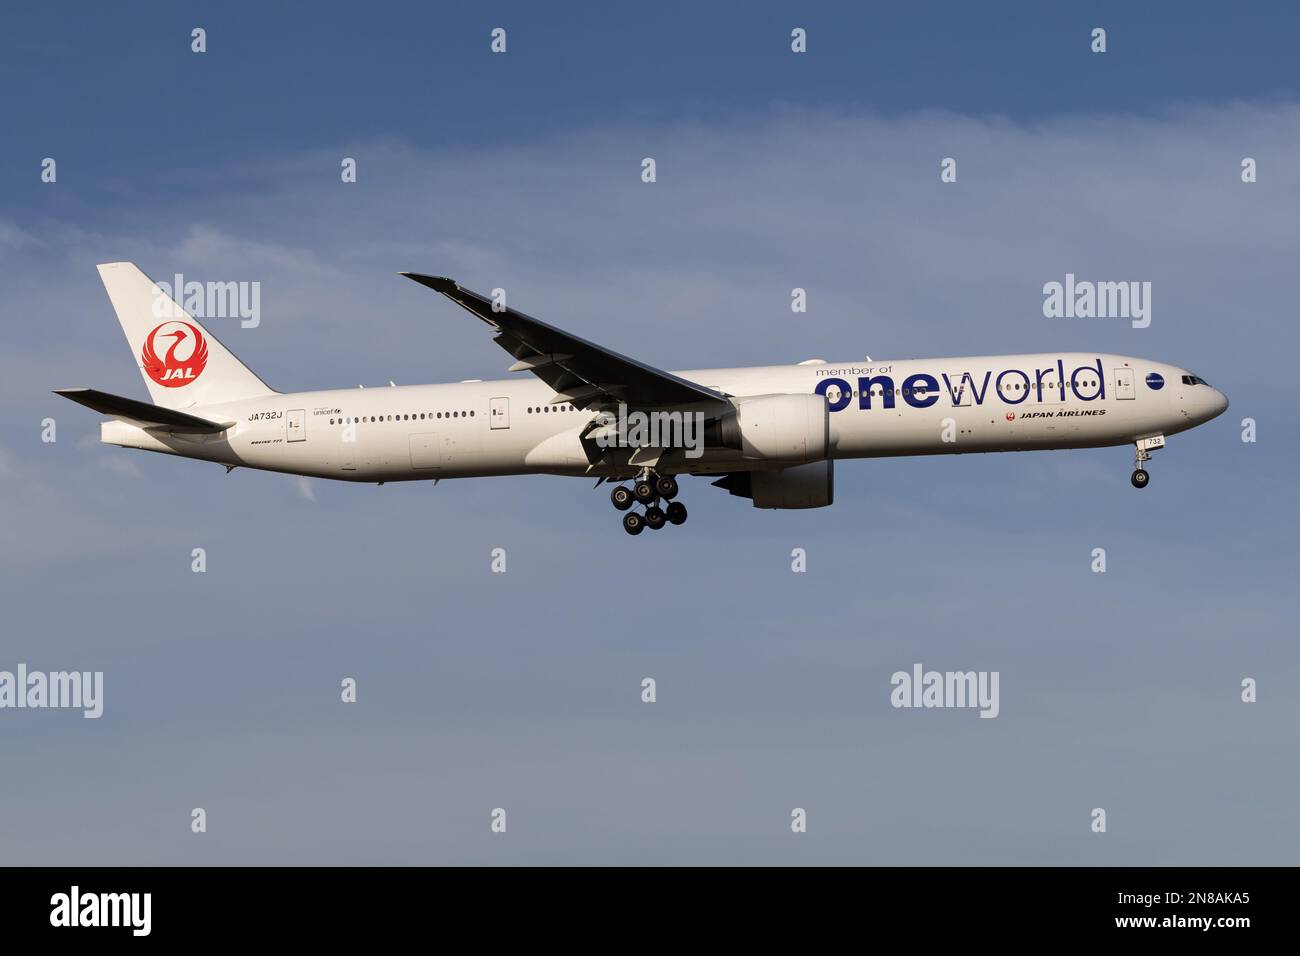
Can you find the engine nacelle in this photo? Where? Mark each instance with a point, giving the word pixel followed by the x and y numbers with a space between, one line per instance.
pixel 790 428
pixel 800 486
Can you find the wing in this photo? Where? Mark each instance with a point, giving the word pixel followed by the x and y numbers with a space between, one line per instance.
pixel 581 372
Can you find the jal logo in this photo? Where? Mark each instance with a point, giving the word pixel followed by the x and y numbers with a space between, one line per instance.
pixel 1155 381
pixel 184 354
pixel 1011 416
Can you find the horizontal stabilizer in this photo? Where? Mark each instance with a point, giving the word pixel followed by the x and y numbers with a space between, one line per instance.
pixel 141 413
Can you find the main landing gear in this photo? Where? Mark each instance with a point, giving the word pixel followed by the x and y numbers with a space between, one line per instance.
pixel 1144 447
pixel 649 490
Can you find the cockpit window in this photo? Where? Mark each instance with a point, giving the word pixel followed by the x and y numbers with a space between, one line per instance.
pixel 1194 380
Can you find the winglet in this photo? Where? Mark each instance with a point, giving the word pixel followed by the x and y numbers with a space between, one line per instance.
pixel 436 283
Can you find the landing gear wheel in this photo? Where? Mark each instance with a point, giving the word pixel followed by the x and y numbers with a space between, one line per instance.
pixel 654 517
pixel 1143 447
pixel 666 486
pixel 644 491
pixel 621 497
pixel 633 523
pixel 676 512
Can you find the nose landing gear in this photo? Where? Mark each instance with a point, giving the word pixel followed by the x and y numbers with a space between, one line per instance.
pixel 648 490
pixel 1144 447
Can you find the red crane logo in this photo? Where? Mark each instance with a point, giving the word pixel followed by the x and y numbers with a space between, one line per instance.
pixel 171 371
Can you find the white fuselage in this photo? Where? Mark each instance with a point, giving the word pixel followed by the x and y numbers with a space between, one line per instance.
pixel 914 407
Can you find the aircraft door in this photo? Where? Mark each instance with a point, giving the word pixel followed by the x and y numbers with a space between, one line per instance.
pixel 295 422
pixel 1124 383
pixel 499 412
pixel 348 446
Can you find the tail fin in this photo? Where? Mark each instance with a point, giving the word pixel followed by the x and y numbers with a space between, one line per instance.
pixel 183 364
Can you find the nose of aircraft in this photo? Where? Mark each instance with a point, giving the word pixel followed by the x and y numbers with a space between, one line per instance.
pixel 1216 403
pixel 1201 402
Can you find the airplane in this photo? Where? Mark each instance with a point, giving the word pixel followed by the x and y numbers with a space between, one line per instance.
pixel 771 434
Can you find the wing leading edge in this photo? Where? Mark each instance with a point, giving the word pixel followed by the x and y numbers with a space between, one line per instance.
pixel 580 372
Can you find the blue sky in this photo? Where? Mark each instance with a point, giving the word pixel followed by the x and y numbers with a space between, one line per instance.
pixel 522 690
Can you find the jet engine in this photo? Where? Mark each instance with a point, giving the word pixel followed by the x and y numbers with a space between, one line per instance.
pixel 800 486
pixel 793 428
